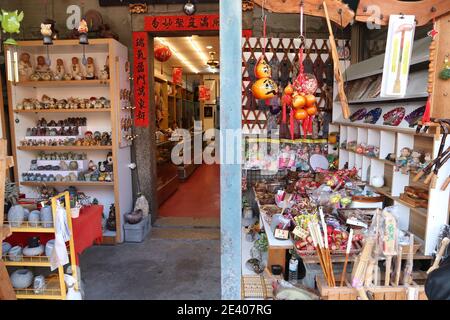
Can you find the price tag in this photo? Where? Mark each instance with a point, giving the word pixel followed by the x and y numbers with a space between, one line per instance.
pixel 281 234
pixel 356 222
pixel 300 232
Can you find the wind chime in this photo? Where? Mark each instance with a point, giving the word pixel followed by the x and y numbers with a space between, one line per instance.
pixel 300 95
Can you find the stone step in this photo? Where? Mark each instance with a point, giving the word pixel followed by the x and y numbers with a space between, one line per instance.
pixel 184 222
pixel 185 234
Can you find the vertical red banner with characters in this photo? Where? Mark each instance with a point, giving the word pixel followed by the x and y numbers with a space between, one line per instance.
pixel 140 74
pixel 177 75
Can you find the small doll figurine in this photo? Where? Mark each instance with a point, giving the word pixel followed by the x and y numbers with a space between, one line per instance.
pixel 42 66
pixel 414 163
pixel 60 70
pixel 104 74
pixel 90 69
pixel 427 160
pixel 75 69
pixel 317 149
pixel 25 67
pixel 254 156
pixel 46 31
pixel 403 160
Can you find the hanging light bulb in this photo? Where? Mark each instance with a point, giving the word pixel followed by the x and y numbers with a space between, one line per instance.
pixel 189 8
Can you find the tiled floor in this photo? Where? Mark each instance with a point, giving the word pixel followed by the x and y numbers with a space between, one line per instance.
pixel 197 197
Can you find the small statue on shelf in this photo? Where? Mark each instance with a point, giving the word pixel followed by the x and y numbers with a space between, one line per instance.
pixel 104 74
pixel 25 67
pixel 75 69
pixel 414 163
pixel 427 159
pixel 60 70
pixel 46 31
pixel 401 164
pixel 90 69
pixel 42 71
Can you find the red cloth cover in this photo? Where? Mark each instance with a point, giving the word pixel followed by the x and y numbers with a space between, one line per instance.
pixel 87 230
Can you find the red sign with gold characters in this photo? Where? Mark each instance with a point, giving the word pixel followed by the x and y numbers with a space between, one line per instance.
pixel 199 22
pixel 177 75
pixel 140 74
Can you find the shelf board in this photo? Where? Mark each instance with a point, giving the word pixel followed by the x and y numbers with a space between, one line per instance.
pixel 385 128
pixel 387 193
pixel 67 184
pixel 39 261
pixel 52 291
pixel 62 83
pixel 63 110
pixel 62 148
pixel 25 228
pixel 422 95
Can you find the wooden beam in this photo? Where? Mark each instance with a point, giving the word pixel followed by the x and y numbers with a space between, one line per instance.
pixel 424 10
pixel 312 8
pixel 230 172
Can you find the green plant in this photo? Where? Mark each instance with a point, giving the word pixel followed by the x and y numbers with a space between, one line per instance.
pixel 262 244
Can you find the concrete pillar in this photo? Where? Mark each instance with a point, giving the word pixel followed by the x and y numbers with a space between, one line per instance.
pixel 230 174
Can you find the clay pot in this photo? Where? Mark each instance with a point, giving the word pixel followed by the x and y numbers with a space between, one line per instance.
pixel 49 247
pixel 134 217
pixel 22 278
pixel 34 218
pixel 15 253
pixel 46 217
pixel 16 215
pixel 33 252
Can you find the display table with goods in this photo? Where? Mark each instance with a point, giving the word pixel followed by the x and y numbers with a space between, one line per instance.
pixel 70 117
pixel 41 243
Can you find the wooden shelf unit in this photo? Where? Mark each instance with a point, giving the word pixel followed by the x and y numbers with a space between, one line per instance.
pixel 55 285
pixel 67 183
pixel 118 192
pixel 424 223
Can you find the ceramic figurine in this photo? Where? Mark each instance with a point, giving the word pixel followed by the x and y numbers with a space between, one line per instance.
pixel 414 162
pixel 104 74
pixel 83 30
pixel 90 69
pixel 403 160
pixel 60 70
pixel 46 31
pixel 42 66
pixel 427 160
pixel 75 69
pixel 25 67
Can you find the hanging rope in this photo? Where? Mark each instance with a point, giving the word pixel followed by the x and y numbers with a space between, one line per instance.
pixel 264 22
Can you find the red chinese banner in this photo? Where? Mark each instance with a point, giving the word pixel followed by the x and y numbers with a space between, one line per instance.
pixel 177 75
pixel 140 74
pixel 181 23
pixel 204 93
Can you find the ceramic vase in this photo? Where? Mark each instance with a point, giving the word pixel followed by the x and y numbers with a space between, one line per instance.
pixel 15 253
pixel 5 247
pixel 49 247
pixel 377 181
pixel 39 284
pixel 46 217
pixel 16 215
pixel 22 278
pixel 33 252
pixel 34 218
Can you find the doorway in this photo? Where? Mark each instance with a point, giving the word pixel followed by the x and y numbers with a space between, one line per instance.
pixel 186 113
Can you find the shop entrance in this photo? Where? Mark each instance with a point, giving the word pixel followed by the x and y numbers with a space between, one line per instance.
pixel 186 105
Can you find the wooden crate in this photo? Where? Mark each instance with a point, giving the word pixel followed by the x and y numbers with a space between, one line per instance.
pixel 346 292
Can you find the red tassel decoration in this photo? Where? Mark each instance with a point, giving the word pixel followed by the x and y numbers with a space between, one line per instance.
pixel 284 113
pixel 427 114
pixel 291 125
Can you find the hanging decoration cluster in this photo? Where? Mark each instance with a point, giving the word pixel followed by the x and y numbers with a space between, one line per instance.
pixel 300 95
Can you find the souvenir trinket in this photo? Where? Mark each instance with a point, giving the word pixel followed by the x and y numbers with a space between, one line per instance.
pixel 394 117
pixel 373 115
pixel 415 116
pixel 358 115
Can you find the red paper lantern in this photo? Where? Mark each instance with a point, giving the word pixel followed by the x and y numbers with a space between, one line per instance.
pixel 162 53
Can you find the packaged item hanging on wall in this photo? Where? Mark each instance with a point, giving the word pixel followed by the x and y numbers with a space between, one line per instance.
pixel 398 55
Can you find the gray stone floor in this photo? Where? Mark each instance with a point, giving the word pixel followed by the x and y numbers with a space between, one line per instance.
pixel 155 269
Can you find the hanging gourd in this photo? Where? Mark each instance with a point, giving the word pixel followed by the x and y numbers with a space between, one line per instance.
pixel 264 87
